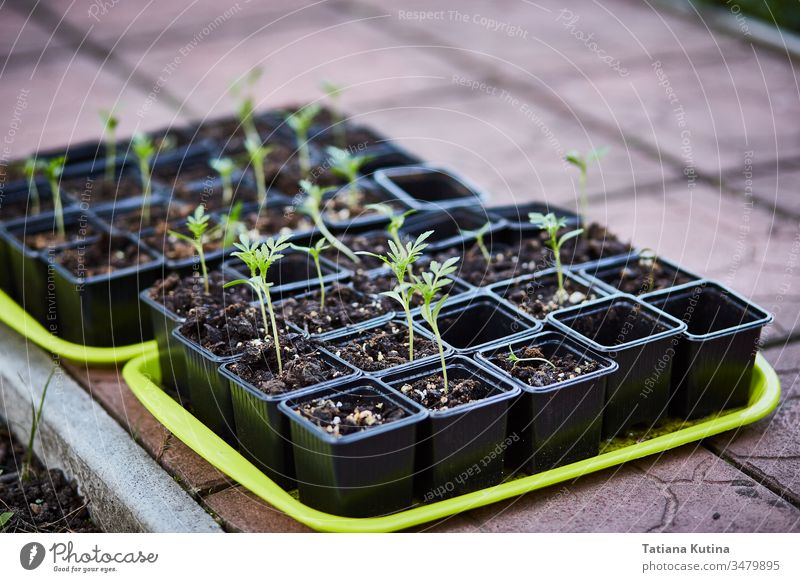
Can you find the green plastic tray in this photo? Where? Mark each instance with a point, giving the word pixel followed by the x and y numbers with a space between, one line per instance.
pixel 143 375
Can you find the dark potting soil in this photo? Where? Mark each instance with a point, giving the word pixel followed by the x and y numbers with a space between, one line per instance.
pixel 106 255
pixel 540 374
pixel 45 503
pixel 224 332
pixel 11 209
pixel 350 413
pixel 354 135
pixel 382 348
pixel 372 243
pixel 282 171
pixel 302 367
pixel 132 220
pixel 540 298
pixel 74 232
pixel 181 175
pixel 430 393
pixel 275 220
pixel 174 248
pixel 505 263
pixel 596 243
pixel 211 195
pixel 182 294
pixel 378 283
pixel 93 189
pixel 347 205
pixel 230 134
pixel 343 307
pixel 634 278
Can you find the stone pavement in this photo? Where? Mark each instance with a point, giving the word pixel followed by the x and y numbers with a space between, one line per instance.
pixel 704 151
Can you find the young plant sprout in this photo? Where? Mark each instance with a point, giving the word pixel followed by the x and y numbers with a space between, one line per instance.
pixel 396 221
pixel 430 284
pixel 347 166
pixel 246 107
pixel 36 418
pixel 110 123
pixel 231 225
pixel 144 149
pixel 300 122
pixel 312 207
pixel 198 225
pixel 259 259
pixel 515 359
pixel 647 261
pixel 399 259
pixel 552 224
pixel 582 163
pixel 334 93
pixel 53 170
pixel 31 168
pixel 314 252
pixel 479 240
pixel 225 168
pixel 257 153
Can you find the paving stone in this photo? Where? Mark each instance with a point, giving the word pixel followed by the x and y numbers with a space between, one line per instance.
pixel 242 511
pixel 194 472
pixel 772 182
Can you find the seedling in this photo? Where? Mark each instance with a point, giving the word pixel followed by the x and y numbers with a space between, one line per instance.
pixel 347 166
pixel 552 224
pixel 300 121
pixel 582 162
pixel 311 206
pixel 225 168
pixel 257 154
pixel 144 149
pixel 198 225
pixel 314 252
pixel 31 168
pixel 5 517
pixel 431 284
pixel 246 107
pixel 231 225
pixel 396 221
pixel 647 261
pixel 334 93
pixel 110 124
pixel 53 170
pixel 399 259
pixel 479 235
pixel 259 258
pixel 515 359
pixel 36 418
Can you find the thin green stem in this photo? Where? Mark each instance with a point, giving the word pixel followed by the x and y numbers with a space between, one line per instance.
pixel 144 167
pixel 321 283
pixel 559 272
pixel 332 239
pixel 584 199
pixel 304 156
pixel 202 255
pixel 111 159
pixel 409 321
pixel 58 210
pixel 36 205
pixel 261 182
pixel 227 189
pixel 274 331
pixel 435 327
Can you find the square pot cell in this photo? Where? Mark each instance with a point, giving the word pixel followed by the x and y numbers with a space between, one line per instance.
pixel 517 215
pixel 17 205
pixel 641 339
pixel 428 187
pixel 460 448
pixel 361 472
pixel 475 322
pixel 339 216
pixel 387 155
pixel 714 358
pixel 634 275
pixel 454 227
pixel 558 418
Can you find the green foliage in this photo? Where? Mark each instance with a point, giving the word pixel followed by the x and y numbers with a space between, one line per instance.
pixel 225 168
pixel 36 418
pixel 231 225
pixel 314 252
pixel 144 149
pixel 480 235
pixel 334 94
pixel 396 221
pixel 551 224
pixel 582 162
pixel 31 168
pixel 245 110
pixel 5 517
pixel 110 124
pixel 312 206
pixel 300 121
pixel 648 261
pixel 347 166
pixel 429 285
pixel 515 359
pixel 53 170
pixel 257 153
pixel 198 225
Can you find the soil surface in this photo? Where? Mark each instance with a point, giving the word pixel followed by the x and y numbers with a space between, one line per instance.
pixel 174 248
pixel 210 195
pixel 373 242
pixel 538 298
pixel 96 189
pixel 131 220
pixel 302 365
pixel 224 332
pixel 230 134
pixel 275 220
pixel 350 413
pixel 181 295
pixel 45 503
pixel 12 207
pixel 347 205
pixel 430 393
pixel 539 374
pixel 634 278
pixel 106 255
pixel 382 348
pixel 343 307
pixel 74 231
pixel 282 170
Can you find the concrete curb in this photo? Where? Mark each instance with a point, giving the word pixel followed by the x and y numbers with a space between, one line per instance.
pixel 129 491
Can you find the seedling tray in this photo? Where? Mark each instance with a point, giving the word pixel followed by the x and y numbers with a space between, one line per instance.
pixel 142 375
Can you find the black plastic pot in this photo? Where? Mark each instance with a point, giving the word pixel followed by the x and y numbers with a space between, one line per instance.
pixel 370 219
pixel 363 474
pixel 261 430
pixel 387 155
pixel 451 228
pixel 183 267
pixel 560 423
pixel 461 449
pixel 103 310
pixel 516 215
pixel 470 323
pixel 428 187
pixel 294 274
pixel 606 273
pixel 15 203
pixel 639 338
pixel 170 354
pixel 529 285
pixel 27 271
pixel 714 357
